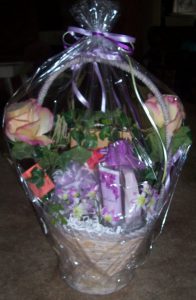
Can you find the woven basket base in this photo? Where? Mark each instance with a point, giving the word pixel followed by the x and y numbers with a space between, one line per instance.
pixel 96 264
pixel 99 288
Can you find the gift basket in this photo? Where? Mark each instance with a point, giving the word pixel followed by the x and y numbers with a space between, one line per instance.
pixel 98 144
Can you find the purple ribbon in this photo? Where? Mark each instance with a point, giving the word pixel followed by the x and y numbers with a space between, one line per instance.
pixel 125 42
pixel 172 162
pixel 75 89
pixel 79 95
pixel 103 102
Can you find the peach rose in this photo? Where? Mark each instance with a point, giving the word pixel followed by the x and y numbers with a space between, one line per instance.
pixel 27 121
pixel 175 109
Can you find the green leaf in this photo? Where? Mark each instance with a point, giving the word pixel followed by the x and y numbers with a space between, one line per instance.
pixel 181 138
pixel 47 158
pixel 69 118
pixel 88 120
pixel 154 143
pixel 98 115
pixel 22 150
pixel 53 221
pixel 90 141
pixel 114 136
pixel 39 152
pixel 78 154
pixel 106 121
pixel 148 174
pixel 62 219
pixel 136 131
pixel 77 135
pixel 124 121
pixel 37 177
pixel 105 132
pixel 116 113
pixel 37 173
pixel 46 198
pixel 55 207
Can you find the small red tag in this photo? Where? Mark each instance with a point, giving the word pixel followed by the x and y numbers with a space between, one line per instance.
pixel 47 186
pixel 94 159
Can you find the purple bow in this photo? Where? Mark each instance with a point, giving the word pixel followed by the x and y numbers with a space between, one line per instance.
pixel 125 42
pixel 120 154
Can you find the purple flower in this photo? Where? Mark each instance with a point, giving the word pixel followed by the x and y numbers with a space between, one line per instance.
pixel 77 187
pixel 109 216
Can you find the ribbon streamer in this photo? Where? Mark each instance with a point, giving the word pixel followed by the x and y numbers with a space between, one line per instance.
pixel 171 163
pixel 82 99
pixel 123 41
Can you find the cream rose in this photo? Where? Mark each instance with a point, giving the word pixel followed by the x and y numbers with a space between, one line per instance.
pixel 175 109
pixel 27 121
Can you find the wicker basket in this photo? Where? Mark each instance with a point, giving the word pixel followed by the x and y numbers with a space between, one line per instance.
pixel 98 264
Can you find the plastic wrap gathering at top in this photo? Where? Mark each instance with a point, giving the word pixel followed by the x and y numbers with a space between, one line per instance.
pixel 97 141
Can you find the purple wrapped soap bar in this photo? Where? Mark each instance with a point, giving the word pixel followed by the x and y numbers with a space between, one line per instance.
pixel 119 185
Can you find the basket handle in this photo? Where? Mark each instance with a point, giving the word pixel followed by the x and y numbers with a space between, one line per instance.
pixel 135 73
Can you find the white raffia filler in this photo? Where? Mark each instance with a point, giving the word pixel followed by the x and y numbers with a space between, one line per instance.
pixel 92 226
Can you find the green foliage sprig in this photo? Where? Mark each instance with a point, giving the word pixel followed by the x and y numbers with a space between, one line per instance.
pixel 83 126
